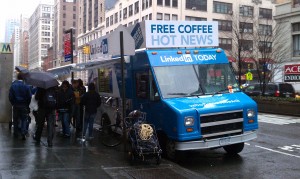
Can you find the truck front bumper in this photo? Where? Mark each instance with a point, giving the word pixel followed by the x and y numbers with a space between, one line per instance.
pixel 219 142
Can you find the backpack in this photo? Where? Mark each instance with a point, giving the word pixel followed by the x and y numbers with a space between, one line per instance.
pixel 50 99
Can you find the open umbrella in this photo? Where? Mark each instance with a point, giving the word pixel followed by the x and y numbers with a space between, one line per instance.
pixel 21 69
pixel 40 79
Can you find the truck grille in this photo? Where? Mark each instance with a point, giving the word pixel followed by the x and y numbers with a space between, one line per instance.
pixel 218 125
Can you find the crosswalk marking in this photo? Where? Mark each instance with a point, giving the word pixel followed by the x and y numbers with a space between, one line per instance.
pixel 278 119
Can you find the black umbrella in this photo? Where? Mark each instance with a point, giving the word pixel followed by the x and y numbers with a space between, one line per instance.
pixel 40 79
pixel 21 69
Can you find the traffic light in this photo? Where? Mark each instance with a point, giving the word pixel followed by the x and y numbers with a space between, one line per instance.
pixel 86 49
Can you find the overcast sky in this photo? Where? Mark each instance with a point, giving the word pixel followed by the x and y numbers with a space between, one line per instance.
pixel 14 8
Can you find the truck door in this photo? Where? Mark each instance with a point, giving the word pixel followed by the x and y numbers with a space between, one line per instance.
pixel 147 97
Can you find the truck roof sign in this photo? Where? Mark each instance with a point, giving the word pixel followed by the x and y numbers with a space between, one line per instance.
pixel 164 34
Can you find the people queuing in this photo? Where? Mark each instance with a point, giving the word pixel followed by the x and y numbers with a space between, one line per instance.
pixel 69 101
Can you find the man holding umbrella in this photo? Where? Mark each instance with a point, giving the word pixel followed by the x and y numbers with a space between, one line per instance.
pixel 20 97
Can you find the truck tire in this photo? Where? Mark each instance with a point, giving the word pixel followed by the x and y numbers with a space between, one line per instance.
pixel 234 148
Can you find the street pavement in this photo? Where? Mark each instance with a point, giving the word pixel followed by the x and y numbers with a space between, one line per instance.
pixel 274 154
pixel 72 158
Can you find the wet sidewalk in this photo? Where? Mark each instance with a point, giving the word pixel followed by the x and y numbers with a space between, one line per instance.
pixel 71 158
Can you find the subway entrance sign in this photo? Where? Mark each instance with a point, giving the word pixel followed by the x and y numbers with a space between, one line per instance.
pixel 6 48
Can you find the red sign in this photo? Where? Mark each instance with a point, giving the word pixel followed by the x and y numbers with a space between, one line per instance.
pixel 67 45
pixel 292 69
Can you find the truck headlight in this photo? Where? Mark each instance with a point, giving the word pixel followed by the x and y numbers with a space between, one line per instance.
pixel 250 113
pixel 188 121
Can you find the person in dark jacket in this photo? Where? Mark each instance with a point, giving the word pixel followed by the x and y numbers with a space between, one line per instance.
pixel 65 99
pixel 20 97
pixel 47 112
pixel 91 101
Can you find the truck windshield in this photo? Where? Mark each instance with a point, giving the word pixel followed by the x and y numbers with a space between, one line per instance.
pixel 195 80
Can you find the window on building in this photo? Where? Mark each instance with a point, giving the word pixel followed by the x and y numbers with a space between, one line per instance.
pixel 191 18
pixel 159 16
pixel 221 7
pixel 174 17
pixel 296 45
pixel 150 16
pixel 125 13
pixel 224 25
pixel 246 11
pixel 247 45
pixel 265 29
pixel 265 13
pixel 74 8
pixel 296 3
pixel 174 3
pixel 130 9
pixel 116 17
pixel 143 4
pixel 64 23
pixel 167 17
pixel 111 20
pixel 120 15
pixel 107 22
pixel 197 5
pixel 265 47
pixel 225 43
pixel 160 2
pixel 296 27
pixel 74 16
pixel 136 7
pixel 64 7
pixel 64 15
pixel 74 24
pixel 168 3
pixel 246 27
pixel 150 3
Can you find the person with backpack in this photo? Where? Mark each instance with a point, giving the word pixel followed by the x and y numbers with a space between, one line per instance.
pixel 65 99
pixel 91 101
pixel 47 100
pixel 20 97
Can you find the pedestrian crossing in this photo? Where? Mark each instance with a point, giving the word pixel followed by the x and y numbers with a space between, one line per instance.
pixel 277 119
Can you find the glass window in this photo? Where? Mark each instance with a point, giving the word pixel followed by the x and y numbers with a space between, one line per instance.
pixel 296 45
pixel 107 22
pixel 247 45
pixel 136 7
pixel 130 10
pixel 296 27
pixel 203 80
pixel 265 13
pixel 111 20
pixel 265 29
pixel 105 80
pixel 246 27
pixel 199 5
pixel 125 13
pixel 159 16
pixel 265 47
pixel 246 11
pixel 221 7
pixel 224 25
pixel 116 17
pixel 159 2
pixel 191 18
pixel 167 17
pixel 150 16
pixel 64 7
pixel 174 17
pixel 167 3
pixel 174 3
pixel 296 3
pixel 225 43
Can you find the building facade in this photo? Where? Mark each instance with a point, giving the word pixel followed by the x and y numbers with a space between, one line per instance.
pixel 10 25
pixel 40 34
pixel 65 18
pixel 288 15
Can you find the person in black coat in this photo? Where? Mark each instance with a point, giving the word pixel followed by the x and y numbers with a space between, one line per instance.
pixel 91 101
pixel 65 99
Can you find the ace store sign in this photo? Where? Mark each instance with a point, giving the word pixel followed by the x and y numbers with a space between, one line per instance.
pixel 292 73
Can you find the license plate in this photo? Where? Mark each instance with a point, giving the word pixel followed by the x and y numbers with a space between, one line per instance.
pixel 224 141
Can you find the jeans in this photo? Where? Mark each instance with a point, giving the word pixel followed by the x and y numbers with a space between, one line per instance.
pixel 89 122
pixel 64 117
pixel 50 118
pixel 20 115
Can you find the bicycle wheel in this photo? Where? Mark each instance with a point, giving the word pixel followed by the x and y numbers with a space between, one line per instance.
pixel 109 136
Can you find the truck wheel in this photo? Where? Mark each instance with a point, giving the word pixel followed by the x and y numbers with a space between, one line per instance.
pixel 234 148
pixel 170 149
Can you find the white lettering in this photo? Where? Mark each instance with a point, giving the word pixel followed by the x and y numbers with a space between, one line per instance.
pixel 205 57
pixel 183 58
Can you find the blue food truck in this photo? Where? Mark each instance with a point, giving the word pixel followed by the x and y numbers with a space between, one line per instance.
pixel 189 93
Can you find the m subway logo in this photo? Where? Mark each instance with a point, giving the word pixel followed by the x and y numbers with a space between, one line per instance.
pixel 5 48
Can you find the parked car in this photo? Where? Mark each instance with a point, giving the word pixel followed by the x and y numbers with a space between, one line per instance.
pixel 272 89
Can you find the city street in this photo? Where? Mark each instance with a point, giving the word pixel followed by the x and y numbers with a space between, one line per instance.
pixel 274 154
